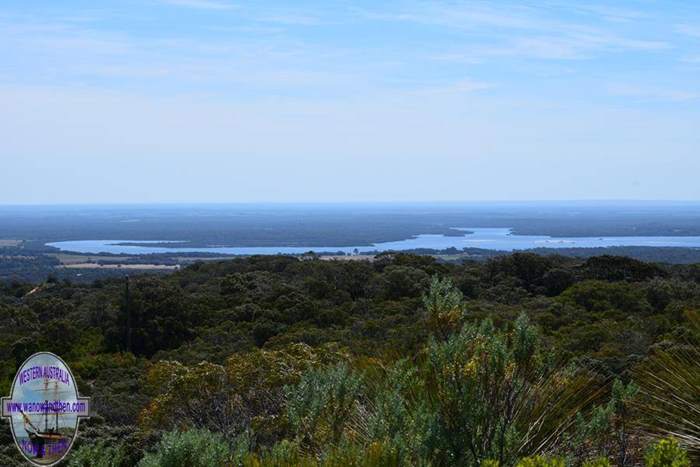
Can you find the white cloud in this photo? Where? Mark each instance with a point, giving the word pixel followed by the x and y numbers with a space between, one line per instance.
pixel 68 53
pixel 463 86
pixel 689 30
pixel 573 46
pixel 459 17
pixel 201 4
pixel 611 13
pixel 645 93
pixel 522 31
pixel 291 19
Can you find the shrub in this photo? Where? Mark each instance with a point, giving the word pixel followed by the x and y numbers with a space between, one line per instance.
pixel 607 429
pixel 541 461
pixel 666 453
pixel 669 381
pixel 193 448
pixel 487 386
pixel 400 415
pixel 98 455
pixel 377 454
pixel 443 304
pixel 599 462
pixel 321 405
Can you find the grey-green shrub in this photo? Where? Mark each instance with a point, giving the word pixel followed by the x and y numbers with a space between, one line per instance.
pixel 666 453
pixel 193 448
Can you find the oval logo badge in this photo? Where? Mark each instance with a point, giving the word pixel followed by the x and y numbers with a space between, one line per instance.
pixel 44 409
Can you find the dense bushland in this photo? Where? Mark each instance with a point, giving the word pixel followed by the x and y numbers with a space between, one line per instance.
pixel 523 360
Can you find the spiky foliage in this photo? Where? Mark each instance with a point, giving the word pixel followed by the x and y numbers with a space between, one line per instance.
pixel 195 448
pixel 553 408
pixel 669 381
pixel 541 461
pixel 398 413
pixel 666 453
pixel 606 430
pixel 444 307
pixel 496 395
pixel 283 454
pixel 482 393
pixel 321 404
pixel 477 384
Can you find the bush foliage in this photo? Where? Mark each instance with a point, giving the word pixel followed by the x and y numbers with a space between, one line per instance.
pixel 524 360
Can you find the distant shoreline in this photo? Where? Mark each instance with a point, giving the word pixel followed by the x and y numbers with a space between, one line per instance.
pixel 498 239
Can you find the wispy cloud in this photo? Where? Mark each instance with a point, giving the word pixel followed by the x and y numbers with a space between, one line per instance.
pixel 291 19
pixel 611 13
pixel 57 37
pixel 230 65
pixel 454 16
pixel 693 59
pixel 462 86
pixel 476 84
pixel 201 4
pixel 574 46
pixel 523 31
pixel 689 30
pixel 413 46
pixel 645 93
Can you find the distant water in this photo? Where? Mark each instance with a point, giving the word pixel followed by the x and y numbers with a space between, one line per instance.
pixel 486 238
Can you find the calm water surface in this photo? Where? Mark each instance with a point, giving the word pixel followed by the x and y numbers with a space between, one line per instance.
pixel 486 238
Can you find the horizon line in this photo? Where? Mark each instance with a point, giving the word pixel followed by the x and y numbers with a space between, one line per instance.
pixel 336 203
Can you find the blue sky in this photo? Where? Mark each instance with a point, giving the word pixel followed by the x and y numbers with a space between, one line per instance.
pixel 232 101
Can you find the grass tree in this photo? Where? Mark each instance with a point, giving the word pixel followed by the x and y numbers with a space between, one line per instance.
pixel 669 382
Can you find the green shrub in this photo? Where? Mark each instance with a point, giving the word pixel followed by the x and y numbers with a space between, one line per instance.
pixel 283 454
pixel 599 462
pixel 376 454
pixel 193 448
pixel 472 375
pixel 98 455
pixel 607 429
pixel 401 414
pixel 541 461
pixel 444 306
pixel 321 405
pixel 666 453
pixel 668 381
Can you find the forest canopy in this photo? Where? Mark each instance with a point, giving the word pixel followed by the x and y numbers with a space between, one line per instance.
pixel 520 360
